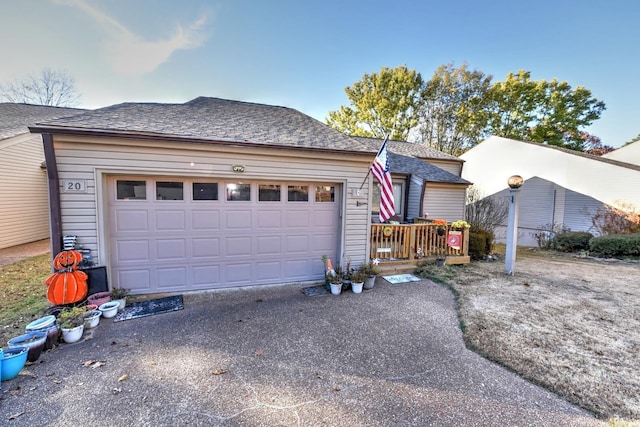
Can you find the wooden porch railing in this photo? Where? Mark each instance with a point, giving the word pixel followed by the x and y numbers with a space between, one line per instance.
pixel 415 242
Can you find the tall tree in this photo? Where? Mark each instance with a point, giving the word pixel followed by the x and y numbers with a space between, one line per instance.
pixel 52 87
pixel 452 113
pixel 542 111
pixel 381 104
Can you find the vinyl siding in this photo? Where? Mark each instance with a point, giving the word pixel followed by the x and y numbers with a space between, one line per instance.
pixel 24 200
pixel 415 198
pixel 578 211
pixel 451 167
pixel 444 201
pixel 91 158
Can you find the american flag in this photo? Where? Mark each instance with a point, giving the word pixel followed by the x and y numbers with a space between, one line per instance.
pixel 380 169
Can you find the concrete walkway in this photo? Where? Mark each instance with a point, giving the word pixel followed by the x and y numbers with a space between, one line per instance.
pixel 20 252
pixel 271 356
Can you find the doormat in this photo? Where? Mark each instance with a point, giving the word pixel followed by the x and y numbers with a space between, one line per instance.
pixel 315 291
pixel 150 307
pixel 401 278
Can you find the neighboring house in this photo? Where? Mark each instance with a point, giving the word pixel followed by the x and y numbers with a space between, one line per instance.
pixel 562 186
pixel 24 204
pixel 426 181
pixel 629 153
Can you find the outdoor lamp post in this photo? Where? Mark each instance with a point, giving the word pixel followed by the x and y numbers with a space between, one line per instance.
pixel 515 182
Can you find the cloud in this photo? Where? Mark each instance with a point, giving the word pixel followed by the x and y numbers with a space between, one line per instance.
pixel 130 54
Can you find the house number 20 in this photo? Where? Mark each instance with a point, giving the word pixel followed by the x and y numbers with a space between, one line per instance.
pixel 74 186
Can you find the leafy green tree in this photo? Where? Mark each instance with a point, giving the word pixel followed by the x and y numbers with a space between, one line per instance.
pixel 381 104
pixel 453 110
pixel 637 138
pixel 542 111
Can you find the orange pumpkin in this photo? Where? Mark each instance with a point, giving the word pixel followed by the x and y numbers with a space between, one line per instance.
pixel 68 285
pixel 67 259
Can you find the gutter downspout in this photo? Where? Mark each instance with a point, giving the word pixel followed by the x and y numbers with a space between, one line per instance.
pixel 55 212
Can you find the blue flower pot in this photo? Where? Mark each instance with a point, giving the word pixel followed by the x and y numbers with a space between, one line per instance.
pixel 13 360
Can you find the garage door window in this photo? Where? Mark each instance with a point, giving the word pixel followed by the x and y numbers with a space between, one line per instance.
pixel 131 190
pixel 298 193
pixel 166 190
pixel 269 193
pixel 205 191
pixel 238 192
pixel 325 193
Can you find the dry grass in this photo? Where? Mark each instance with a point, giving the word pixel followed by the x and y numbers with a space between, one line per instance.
pixel 571 325
pixel 23 294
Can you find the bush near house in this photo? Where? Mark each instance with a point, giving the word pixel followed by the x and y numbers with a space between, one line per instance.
pixel 571 241
pixel 480 243
pixel 616 245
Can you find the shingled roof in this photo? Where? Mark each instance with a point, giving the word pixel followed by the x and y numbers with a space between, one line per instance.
pixel 16 118
pixel 428 172
pixel 210 119
pixel 409 149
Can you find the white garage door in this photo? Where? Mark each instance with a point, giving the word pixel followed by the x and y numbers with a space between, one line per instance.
pixel 169 234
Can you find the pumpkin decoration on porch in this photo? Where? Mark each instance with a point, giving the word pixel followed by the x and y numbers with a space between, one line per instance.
pixel 68 284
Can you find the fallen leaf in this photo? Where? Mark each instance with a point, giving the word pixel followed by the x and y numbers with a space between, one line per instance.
pixel 98 364
pixel 219 372
pixel 88 363
pixel 16 415
pixel 526 284
pixel 123 378
pixel 259 352
pixel 336 388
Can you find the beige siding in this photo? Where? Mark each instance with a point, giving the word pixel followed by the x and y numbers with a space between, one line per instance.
pixel 88 159
pixel 24 199
pixel 451 167
pixel 444 201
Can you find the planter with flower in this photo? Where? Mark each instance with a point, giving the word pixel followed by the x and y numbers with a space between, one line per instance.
pixel 441 226
pixel 372 271
pixel 71 321
pixel 460 225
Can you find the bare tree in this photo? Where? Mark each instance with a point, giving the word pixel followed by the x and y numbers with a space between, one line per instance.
pixel 52 87
pixel 485 212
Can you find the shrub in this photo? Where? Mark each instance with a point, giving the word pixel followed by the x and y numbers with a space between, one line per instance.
pixel 480 243
pixel 621 219
pixel 571 241
pixel 545 234
pixel 616 245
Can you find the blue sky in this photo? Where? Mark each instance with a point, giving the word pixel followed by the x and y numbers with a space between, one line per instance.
pixel 302 54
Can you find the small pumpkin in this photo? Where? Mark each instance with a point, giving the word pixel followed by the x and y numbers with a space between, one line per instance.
pixel 67 259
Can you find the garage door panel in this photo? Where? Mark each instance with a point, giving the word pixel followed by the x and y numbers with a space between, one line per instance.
pixel 173 278
pixel 171 249
pixel 239 273
pixel 270 219
pixel 268 245
pixel 297 244
pixel 137 280
pixel 323 219
pixel 205 247
pixel 206 276
pixel 237 246
pixel 238 219
pixel 170 220
pixel 128 251
pixel 205 220
pixel 325 243
pixel 296 268
pixel 132 221
pixel 268 271
pixel 298 218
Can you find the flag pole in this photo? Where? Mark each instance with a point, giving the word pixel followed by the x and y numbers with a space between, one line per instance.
pixel 371 164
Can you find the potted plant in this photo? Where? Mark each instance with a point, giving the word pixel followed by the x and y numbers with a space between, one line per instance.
pixel 357 280
pixel 120 295
pixel 92 318
pixel 372 272
pixel 440 226
pixel 335 282
pixel 460 225
pixel 71 321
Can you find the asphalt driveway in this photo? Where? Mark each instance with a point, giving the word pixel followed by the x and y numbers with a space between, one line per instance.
pixel 271 356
